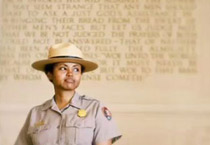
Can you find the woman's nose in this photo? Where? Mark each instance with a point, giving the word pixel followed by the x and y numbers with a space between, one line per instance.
pixel 69 72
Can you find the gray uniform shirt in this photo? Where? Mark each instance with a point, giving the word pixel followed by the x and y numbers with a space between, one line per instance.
pixel 47 125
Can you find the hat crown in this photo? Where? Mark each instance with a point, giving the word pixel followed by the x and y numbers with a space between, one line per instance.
pixel 64 50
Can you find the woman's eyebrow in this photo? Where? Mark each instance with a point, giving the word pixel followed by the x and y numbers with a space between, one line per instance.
pixel 76 65
pixel 61 65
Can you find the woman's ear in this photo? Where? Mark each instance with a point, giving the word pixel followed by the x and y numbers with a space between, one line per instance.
pixel 49 76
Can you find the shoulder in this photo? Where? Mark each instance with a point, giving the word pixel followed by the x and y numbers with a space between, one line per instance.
pixel 37 112
pixel 97 104
pixel 42 106
pixel 90 99
pixel 90 102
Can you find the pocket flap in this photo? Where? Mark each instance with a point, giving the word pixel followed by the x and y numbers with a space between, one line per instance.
pixel 36 129
pixel 80 123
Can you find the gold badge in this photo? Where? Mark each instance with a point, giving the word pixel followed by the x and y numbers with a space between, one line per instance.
pixel 40 123
pixel 82 113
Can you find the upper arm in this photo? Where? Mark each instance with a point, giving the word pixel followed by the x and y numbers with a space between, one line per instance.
pixel 106 131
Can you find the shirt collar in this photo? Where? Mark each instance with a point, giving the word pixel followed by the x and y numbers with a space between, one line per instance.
pixel 76 102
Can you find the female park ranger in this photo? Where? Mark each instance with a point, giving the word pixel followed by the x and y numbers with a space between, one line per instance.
pixel 68 118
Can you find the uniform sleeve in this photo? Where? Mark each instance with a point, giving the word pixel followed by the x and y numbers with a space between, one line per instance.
pixel 105 126
pixel 23 137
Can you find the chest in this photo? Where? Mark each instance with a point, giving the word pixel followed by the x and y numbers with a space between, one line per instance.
pixel 68 128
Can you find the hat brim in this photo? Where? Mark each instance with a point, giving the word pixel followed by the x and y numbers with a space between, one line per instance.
pixel 88 65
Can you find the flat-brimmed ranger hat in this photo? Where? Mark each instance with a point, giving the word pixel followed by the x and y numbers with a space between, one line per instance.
pixel 65 52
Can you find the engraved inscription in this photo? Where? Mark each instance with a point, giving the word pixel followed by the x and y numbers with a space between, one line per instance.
pixel 130 39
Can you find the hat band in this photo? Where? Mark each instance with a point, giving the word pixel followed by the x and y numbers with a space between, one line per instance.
pixel 75 57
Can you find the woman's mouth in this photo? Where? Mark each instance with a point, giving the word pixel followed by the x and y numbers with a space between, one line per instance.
pixel 69 80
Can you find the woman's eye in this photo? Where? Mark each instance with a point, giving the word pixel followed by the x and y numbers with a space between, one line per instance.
pixel 62 68
pixel 76 70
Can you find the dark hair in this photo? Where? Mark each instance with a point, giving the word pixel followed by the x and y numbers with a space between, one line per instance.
pixel 82 68
pixel 50 67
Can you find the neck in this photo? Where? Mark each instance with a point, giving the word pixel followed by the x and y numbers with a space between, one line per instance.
pixel 63 98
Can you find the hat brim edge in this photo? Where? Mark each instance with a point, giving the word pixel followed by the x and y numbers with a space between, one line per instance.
pixel 88 65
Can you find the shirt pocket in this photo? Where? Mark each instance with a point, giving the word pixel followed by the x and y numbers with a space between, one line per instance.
pixel 83 131
pixel 41 135
pixel 70 133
